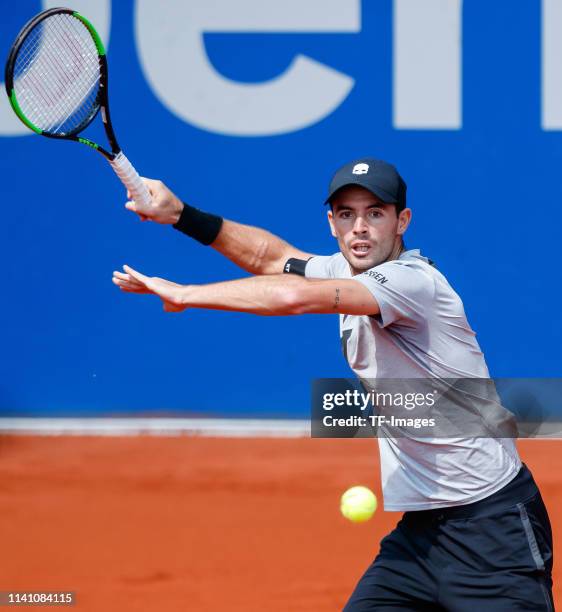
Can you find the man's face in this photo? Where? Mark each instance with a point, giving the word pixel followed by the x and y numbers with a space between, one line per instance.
pixel 368 231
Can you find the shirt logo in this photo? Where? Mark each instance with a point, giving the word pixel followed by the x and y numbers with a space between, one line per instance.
pixel 380 278
pixel 360 169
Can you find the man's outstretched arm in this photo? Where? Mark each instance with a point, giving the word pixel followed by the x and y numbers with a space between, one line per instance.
pixel 253 249
pixel 277 294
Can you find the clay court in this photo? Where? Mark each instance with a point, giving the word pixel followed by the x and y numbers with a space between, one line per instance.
pixel 203 524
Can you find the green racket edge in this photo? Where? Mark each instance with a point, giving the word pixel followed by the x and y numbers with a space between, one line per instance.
pixel 15 105
pixel 95 35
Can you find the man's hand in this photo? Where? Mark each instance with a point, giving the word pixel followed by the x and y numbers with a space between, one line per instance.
pixel 165 206
pixel 170 293
pixel 276 294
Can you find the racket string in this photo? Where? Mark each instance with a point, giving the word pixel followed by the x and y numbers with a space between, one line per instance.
pixel 75 88
pixel 57 74
pixel 87 86
pixel 28 64
pixel 57 59
pixel 26 60
pixel 46 99
pixel 45 93
pixel 92 58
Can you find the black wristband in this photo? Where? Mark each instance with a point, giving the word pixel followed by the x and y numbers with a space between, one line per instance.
pixel 295 266
pixel 203 227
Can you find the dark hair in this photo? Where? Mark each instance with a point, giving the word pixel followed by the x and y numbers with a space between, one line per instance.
pixel 401 203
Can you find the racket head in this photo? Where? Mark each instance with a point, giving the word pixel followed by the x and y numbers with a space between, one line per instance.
pixel 56 73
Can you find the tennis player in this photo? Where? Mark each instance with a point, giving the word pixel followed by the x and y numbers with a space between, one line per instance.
pixel 475 534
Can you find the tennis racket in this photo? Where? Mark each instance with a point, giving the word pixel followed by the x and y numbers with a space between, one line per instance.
pixel 56 79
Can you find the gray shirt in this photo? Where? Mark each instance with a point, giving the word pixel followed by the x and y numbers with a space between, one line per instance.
pixel 421 332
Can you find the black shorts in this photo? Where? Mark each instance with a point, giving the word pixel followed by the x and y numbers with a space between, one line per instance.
pixel 491 555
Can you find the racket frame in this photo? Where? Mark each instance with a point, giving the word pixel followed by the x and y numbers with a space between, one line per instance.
pixel 102 100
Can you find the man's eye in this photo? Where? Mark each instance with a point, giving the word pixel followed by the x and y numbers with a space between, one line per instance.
pixel 375 213
pixel 346 214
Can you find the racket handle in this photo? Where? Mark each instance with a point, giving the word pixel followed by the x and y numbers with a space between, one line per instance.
pixel 131 179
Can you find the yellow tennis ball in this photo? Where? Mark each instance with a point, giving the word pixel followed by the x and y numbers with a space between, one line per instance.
pixel 358 504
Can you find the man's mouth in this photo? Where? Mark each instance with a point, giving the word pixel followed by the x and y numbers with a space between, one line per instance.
pixel 360 249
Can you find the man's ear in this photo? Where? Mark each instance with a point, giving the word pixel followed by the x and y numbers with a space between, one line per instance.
pixel 404 219
pixel 331 222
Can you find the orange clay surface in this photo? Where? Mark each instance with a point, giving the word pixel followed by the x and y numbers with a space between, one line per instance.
pixel 166 524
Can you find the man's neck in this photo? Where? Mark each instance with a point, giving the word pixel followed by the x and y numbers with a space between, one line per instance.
pixel 398 249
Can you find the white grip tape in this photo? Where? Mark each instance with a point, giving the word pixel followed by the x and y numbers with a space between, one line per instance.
pixel 131 179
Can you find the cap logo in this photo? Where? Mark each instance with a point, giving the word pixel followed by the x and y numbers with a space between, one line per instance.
pixel 360 169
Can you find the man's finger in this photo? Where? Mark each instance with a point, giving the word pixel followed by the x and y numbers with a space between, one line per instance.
pixel 130 288
pixel 123 276
pixel 148 182
pixel 124 283
pixel 131 205
pixel 137 291
pixel 141 278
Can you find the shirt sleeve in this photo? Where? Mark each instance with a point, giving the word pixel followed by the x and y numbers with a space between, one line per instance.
pixel 403 292
pixel 321 267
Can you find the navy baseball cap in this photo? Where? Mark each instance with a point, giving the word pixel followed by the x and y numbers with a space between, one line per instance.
pixel 377 176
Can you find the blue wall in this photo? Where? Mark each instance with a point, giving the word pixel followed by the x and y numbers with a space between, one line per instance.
pixel 486 200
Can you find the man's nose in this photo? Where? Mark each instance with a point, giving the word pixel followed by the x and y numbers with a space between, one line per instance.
pixel 360 225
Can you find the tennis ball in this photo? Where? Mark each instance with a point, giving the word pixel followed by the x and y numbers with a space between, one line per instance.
pixel 358 504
